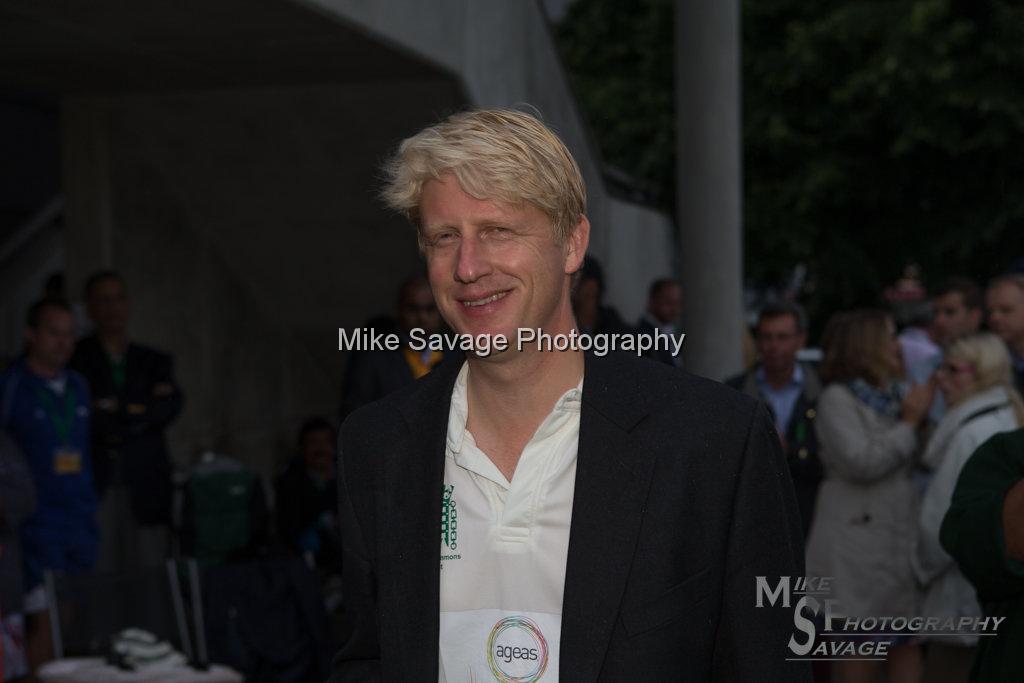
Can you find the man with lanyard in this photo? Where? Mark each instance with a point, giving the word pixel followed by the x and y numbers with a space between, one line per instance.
pixel 530 514
pixel 44 407
pixel 135 398
pixel 790 389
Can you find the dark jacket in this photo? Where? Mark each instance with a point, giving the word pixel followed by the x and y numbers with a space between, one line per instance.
pixel 306 515
pixel 372 375
pixel 128 442
pixel 266 619
pixel 972 532
pixel 644 327
pixel 17 503
pixel 681 499
pixel 801 439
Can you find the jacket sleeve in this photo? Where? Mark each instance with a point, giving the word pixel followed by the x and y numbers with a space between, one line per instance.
pixel 166 400
pixel 360 386
pixel 853 446
pixel 765 539
pixel 17 492
pixel 930 559
pixel 972 531
pixel 359 656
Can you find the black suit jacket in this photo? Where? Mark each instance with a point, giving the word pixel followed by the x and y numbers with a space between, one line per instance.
pixel 661 355
pixel 801 439
pixel 128 443
pixel 372 375
pixel 682 498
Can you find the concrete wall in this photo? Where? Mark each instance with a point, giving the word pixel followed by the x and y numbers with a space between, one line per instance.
pixel 246 220
pixel 504 55
pixel 22 277
pixel 248 223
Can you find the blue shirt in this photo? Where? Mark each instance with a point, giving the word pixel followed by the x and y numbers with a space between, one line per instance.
pixel 1017 362
pixel 50 423
pixel 783 399
pixel 921 373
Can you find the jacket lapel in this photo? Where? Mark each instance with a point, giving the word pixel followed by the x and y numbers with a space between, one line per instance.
pixel 413 495
pixel 612 478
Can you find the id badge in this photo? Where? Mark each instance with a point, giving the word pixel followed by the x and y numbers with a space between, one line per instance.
pixel 67 461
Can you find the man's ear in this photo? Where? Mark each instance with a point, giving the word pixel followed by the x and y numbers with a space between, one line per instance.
pixel 576 245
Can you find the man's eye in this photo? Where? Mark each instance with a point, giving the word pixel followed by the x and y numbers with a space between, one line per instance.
pixel 442 238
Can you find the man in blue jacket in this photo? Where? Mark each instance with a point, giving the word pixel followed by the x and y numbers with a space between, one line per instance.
pixel 44 407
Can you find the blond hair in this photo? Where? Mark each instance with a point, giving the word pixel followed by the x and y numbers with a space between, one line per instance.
pixel 986 354
pixel 495 154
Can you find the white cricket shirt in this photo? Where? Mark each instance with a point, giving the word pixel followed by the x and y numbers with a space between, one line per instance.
pixel 504 547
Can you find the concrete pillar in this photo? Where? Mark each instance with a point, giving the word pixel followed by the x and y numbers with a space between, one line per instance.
pixel 709 183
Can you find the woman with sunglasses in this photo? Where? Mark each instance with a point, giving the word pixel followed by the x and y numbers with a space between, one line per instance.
pixel 866 512
pixel 976 380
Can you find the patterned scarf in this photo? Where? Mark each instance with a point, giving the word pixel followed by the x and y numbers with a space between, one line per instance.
pixel 884 402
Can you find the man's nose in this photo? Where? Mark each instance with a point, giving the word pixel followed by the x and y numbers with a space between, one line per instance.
pixel 472 261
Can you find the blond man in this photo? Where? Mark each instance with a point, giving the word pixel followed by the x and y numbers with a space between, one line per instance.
pixel 530 514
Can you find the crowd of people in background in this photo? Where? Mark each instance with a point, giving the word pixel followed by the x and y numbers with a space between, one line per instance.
pixel 87 485
pixel 876 437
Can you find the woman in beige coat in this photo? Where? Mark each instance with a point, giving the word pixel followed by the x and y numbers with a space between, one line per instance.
pixel 866 511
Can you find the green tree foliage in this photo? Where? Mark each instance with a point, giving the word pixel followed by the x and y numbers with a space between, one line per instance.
pixel 876 132
pixel 620 57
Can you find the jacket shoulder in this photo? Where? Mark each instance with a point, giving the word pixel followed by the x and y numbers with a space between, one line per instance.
pixel 377 423
pixel 88 352
pixel 737 381
pixel 837 394
pixel 9 375
pixel 79 381
pixel 667 388
pixel 376 416
pixel 837 403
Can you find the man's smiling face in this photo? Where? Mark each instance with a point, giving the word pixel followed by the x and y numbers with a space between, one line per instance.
pixel 495 267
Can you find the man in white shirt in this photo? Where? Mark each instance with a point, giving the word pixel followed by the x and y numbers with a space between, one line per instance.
pixel 534 514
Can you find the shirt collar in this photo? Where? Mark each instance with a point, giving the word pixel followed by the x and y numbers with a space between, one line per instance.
pixel 796 380
pixel 570 401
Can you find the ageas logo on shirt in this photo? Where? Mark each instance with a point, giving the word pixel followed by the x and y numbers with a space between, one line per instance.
pixel 517 651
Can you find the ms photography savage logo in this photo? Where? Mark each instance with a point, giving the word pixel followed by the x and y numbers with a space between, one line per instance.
pixel 847 637
pixel 517 651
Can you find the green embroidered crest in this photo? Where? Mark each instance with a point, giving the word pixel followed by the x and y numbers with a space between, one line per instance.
pixel 449 517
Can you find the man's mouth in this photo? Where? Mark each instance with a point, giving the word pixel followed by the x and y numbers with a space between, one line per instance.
pixel 485 300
